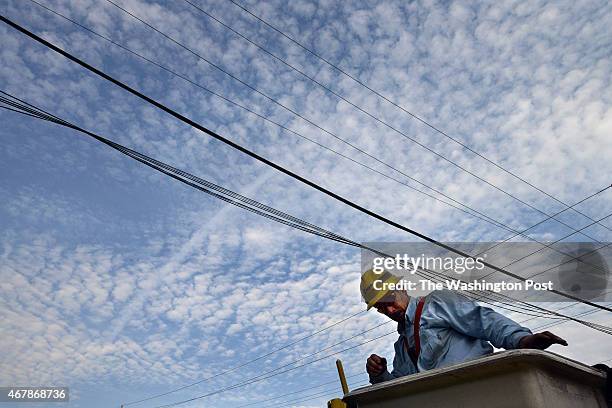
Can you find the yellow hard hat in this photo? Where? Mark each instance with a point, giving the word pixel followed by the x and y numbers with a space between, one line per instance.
pixel 371 295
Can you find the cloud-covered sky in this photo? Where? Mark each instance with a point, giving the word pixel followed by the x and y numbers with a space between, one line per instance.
pixel 122 283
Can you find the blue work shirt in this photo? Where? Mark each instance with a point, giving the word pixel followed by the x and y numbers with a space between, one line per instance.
pixel 453 329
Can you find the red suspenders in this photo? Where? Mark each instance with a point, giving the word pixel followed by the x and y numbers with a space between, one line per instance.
pixel 414 356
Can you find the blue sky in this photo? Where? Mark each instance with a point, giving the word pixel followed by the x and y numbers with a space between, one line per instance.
pixel 122 283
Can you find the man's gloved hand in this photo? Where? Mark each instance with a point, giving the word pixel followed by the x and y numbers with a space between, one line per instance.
pixel 541 341
pixel 376 365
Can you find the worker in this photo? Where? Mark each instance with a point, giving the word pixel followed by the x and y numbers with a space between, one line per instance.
pixel 440 329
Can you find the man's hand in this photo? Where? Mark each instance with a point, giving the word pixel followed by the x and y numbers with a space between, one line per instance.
pixel 541 341
pixel 376 365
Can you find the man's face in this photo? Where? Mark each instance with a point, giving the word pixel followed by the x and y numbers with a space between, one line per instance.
pixel 390 307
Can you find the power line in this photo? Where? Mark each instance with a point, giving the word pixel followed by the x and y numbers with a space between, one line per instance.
pixel 479 216
pixel 475 213
pixel 47 116
pixel 242 201
pixel 566 307
pixel 168 170
pixel 334 381
pixel 328 392
pixel 334 92
pixel 573 259
pixel 558 240
pixel 262 159
pixel 178 174
pixel 125 150
pixel 604 329
pixel 549 245
pixel 270 374
pixel 246 363
pixel 199 56
pixel 387 99
pixel 269 162
pixel 546 219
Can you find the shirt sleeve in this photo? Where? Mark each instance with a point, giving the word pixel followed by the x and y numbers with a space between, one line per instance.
pixel 467 317
pixel 385 376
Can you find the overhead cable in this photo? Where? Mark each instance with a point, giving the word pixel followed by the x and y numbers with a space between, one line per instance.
pixel 472 212
pixel 241 201
pixel 31 109
pixel 467 209
pixel 47 116
pixel 216 66
pixel 550 245
pixel 334 381
pixel 271 373
pixel 175 173
pixel 269 162
pixel 397 105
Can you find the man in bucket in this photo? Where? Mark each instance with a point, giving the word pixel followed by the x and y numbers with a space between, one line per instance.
pixel 440 329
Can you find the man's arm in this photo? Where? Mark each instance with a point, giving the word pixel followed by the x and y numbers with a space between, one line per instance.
pixel 467 317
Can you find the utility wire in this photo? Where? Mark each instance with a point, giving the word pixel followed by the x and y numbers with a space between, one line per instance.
pixel 604 329
pixel 589 312
pixel 573 259
pixel 270 374
pixel 199 56
pixel 473 212
pixel 426 273
pixel 267 161
pixel 341 97
pixel 175 173
pixel 423 272
pixel 558 240
pixel 566 307
pixel 126 151
pixel 47 116
pixel 179 174
pixel 244 364
pixel 334 381
pixel 294 222
pixel 329 392
pixel 549 245
pixel 557 200
pixel 317 82
pixel 546 219
pixel 477 214
pixel 392 102
pixel 579 258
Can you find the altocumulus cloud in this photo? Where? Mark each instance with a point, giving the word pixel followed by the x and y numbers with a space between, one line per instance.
pixel 114 276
